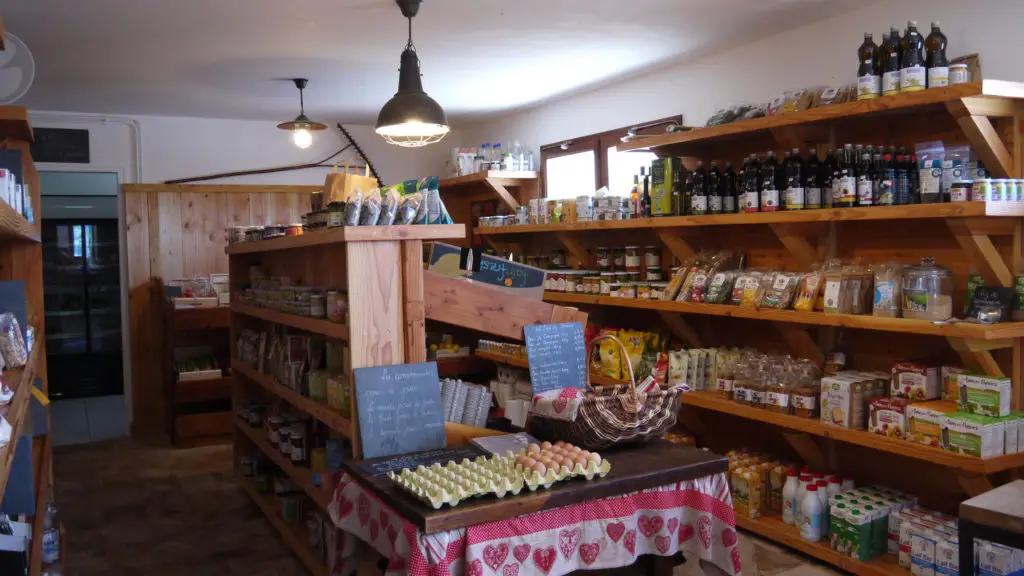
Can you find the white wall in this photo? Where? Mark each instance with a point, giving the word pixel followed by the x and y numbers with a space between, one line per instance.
pixel 820 54
pixel 176 147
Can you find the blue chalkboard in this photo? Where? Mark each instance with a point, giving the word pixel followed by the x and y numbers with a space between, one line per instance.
pixel 557 354
pixel 400 409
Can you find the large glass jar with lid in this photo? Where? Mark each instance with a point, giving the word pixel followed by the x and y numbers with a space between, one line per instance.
pixel 928 291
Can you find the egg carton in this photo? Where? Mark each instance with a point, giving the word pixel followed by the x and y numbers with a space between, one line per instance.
pixel 589 466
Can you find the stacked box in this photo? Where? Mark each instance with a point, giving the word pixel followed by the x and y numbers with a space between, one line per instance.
pixel 915 381
pixel 924 421
pixel 998 560
pixel 985 395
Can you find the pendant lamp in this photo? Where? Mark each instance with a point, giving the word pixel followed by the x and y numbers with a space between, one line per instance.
pixel 302 127
pixel 411 118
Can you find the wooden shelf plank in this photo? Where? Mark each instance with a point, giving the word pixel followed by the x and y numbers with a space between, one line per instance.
pixel 904 325
pixel 202 318
pixel 907 103
pixel 351 234
pixel 295 536
pixel 320 411
pixel 505 178
pixel 21 381
pixel 718 403
pixel 203 390
pixel 451 366
pixel 314 325
pixel 14 122
pixel 909 212
pixel 14 226
pixel 301 476
pixel 595 379
pixel 773 528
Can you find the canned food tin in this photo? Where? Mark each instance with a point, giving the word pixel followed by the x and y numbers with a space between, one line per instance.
pixel 960 192
pixel 643 291
pixel 658 290
pixel 627 290
pixel 522 215
pixel 614 290
pixel 570 282
pixel 999 189
pixel 981 189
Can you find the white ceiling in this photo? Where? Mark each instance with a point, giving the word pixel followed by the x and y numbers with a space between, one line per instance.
pixel 224 58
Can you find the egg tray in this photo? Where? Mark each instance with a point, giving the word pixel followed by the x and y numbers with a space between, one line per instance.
pixel 437 485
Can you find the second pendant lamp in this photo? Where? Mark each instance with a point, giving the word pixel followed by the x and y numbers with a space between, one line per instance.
pixel 411 118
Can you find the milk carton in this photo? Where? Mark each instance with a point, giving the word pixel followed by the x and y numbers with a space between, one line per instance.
pixel 985 395
pixel 947 557
pixel 998 560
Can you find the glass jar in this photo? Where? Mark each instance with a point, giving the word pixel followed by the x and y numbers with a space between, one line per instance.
pixel 570 281
pixel 652 256
pixel 579 276
pixel 654 274
pixel 622 277
pixel 317 305
pixel 632 258
pixel 627 290
pixel 777 396
pixel 298 445
pixel 618 259
pixel 604 258
pixel 928 292
pixel 293 229
pixel 558 258
pixel 643 291
pixel 605 285
pixel 274 424
pixel 614 290
pixel 532 261
pixel 805 399
pixel 658 290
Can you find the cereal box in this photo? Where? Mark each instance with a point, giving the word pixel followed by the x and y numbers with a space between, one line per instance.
pixel 985 395
pixel 915 381
pixel 924 421
pixel 888 417
pixel 971 434
pixel 844 400
pixel 950 382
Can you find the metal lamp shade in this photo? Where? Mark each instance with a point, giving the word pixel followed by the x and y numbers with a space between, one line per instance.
pixel 411 118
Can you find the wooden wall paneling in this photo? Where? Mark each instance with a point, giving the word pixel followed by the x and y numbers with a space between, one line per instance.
pixel 167 236
pixel 412 290
pixel 203 220
pixel 148 418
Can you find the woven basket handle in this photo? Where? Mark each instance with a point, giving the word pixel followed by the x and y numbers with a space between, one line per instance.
pixel 632 403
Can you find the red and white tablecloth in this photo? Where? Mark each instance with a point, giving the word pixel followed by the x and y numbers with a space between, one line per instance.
pixel 695 516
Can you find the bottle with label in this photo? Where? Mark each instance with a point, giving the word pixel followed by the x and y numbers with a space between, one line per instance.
pixel 835 360
pixel 634 195
pixel 770 183
pixel 901 178
pixel 869 73
pixel 796 194
pixel 789 497
pixel 699 196
pixel 823 497
pixel 865 180
pixel 729 189
pixel 812 181
pixel 687 194
pixel 890 50
pixel 645 201
pixel 636 210
pixel 912 69
pixel 884 177
pixel 801 491
pixel 847 187
pixel 715 203
pixel 811 515
pixel 915 180
pixel 677 189
pixel 829 179
pixel 751 185
pixel 936 61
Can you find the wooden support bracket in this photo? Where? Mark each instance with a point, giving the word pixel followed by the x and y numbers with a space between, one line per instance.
pixel 795 240
pixel 807 449
pixel 982 252
pixel 976 357
pixel 678 246
pixel 983 137
pixel 502 193
pixel 800 342
pixel 573 246
pixel 974 484
pixel 988 106
pixel 681 329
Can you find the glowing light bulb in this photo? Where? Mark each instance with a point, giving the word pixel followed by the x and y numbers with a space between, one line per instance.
pixel 302 138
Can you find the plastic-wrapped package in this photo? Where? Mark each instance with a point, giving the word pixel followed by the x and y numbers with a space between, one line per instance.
pixel 371 209
pixel 808 290
pixel 388 207
pixel 779 293
pixel 721 287
pixel 888 290
pixel 748 281
pixel 353 207
pixel 12 343
pixel 409 208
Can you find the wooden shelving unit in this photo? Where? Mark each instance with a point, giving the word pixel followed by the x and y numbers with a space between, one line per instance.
pixel 315 325
pixel 595 379
pixel 348 234
pixel 295 535
pixel 21 381
pixel 508 189
pixel 302 476
pixel 320 411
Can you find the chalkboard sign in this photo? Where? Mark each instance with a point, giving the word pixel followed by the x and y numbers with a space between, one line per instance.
pixel 992 298
pixel 509 276
pixel 441 455
pixel 399 409
pixel 557 354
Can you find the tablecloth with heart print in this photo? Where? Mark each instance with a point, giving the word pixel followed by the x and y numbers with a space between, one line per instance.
pixel 695 516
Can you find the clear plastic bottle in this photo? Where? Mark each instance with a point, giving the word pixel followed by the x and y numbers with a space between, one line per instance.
pixel 518 159
pixel 789 490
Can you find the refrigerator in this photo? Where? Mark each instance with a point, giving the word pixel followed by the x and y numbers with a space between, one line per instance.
pixel 81 279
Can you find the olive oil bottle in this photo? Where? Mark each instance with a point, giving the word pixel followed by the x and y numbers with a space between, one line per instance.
pixel 715 199
pixel 752 185
pixel 936 61
pixel 729 193
pixel 869 74
pixel 770 183
pixel 912 69
pixel 813 184
pixel 891 63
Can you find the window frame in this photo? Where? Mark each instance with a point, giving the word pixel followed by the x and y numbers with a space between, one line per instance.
pixel 599 143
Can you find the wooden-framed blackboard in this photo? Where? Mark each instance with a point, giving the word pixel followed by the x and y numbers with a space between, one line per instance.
pixel 557 354
pixel 399 409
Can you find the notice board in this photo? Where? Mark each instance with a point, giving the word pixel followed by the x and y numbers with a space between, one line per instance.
pixel 557 354
pixel 400 409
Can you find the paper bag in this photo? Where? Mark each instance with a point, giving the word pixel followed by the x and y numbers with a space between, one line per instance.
pixel 338 184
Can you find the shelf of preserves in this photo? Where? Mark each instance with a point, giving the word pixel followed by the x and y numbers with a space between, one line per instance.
pixel 595 379
pixel 21 380
pixel 714 401
pixel 301 476
pixel 773 528
pixel 314 325
pixel 318 410
pixel 967 330
pixel 886 107
pixel 907 212
pixel 351 234
pixel 296 536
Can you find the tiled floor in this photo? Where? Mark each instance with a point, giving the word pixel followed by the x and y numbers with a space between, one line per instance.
pixel 133 509
pixel 81 420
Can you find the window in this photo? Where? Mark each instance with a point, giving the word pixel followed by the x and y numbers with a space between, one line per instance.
pixel 582 165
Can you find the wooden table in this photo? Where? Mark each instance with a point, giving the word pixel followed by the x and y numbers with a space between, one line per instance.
pixel 996 515
pixel 633 468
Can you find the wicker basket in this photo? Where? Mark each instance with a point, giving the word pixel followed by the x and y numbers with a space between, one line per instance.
pixel 611 415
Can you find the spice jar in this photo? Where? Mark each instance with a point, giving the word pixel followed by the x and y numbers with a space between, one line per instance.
pixel 607 279
pixel 805 400
pixel 558 258
pixel 570 281
pixel 652 256
pixel 928 292
pixel 654 274
pixel 619 258
pixel 632 258
pixel 604 258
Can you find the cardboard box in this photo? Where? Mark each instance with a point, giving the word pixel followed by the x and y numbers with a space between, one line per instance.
pixel 998 560
pixel 888 417
pixel 1011 444
pixel 663 174
pixel 844 400
pixel 950 376
pixel 915 381
pixel 924 421
pixel 971 434
pixel 985 395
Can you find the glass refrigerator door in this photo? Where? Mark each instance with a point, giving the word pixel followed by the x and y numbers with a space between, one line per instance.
pixel 102 282
pixel 64 291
